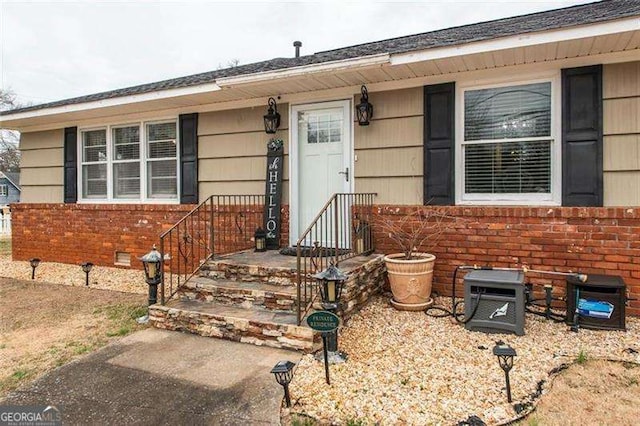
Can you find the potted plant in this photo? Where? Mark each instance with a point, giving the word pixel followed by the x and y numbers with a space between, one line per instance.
pixel 410 270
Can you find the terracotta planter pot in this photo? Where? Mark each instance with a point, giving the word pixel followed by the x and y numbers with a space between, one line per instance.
pixel 410 280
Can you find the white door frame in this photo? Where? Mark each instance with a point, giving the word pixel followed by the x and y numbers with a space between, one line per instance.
pixel 347 157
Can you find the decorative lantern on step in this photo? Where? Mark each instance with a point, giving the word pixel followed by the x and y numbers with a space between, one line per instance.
pixel 152 262
pixel 272 117
pixel 260 239
pixel 364 110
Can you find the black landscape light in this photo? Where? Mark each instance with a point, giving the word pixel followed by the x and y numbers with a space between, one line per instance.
pixel 331 281
pixel 86 268
pixel 272 118
pixel 283 371
pixel 152 263
pixel 260 239
pixel 34 264
pixel 364 110
pixel 505 354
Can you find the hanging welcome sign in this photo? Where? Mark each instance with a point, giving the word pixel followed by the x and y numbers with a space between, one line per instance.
pixel 273 193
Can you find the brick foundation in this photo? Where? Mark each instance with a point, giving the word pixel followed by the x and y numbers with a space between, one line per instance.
pixel 74 233
pixel 589 240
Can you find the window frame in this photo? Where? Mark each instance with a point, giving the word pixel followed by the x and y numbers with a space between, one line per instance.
pixel 4 189
pixel 555 196
pixel 143 161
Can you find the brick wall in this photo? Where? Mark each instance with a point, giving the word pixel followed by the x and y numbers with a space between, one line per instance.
pixel 589 240
pixel 74 233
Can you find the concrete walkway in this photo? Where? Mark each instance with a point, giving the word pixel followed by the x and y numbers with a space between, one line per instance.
pixel 158 377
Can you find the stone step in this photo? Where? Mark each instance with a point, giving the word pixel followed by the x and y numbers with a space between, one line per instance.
pixel 255 326
pixel 243 294
pixel 273 268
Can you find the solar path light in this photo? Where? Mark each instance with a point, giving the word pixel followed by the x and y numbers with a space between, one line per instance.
pixel 34 264
pixel 283 371
pixel 86 268
pixel 505 354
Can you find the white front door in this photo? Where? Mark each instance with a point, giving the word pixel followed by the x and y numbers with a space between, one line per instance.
pixel 321 160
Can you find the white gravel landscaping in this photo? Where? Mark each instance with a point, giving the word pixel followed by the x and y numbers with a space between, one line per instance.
pixel 408 368
pixel 106 278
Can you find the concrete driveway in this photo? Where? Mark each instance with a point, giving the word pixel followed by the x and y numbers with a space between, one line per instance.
pixel 161 377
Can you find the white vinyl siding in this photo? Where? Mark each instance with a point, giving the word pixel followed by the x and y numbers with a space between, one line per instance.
pixel 116 159
pixel 508 149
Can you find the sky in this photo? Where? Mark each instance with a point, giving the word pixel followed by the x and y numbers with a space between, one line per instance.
pixel 57 50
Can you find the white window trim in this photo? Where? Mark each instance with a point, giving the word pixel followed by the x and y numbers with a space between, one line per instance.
pixel 143 164
pixel 552 199
pixel 4 190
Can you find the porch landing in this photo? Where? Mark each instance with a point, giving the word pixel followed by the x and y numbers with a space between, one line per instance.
pixel 251 297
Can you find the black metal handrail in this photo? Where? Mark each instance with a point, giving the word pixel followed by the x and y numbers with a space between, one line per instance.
pixel 342 230
pixel 218 225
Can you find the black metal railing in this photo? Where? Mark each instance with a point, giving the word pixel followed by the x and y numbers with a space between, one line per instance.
pixel 342 230
pixel 220 224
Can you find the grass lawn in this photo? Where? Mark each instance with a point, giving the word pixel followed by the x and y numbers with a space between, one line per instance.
pixel 43 326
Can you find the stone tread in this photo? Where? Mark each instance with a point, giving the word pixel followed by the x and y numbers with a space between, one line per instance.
pixel 254 314
pixel 241 286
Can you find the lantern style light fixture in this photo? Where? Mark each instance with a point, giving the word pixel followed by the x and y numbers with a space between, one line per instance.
pixel 86 268
pixel 260 240
pixel 272 117
pixel 152 263
pixel 364 110
pixel 505 354
pixel 34 264
pixel 283 372
pixel 331 281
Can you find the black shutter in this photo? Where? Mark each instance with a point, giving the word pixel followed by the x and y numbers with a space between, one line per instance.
pixel 439 142
pixel 70 164
pixel 189 158
pixel 582 136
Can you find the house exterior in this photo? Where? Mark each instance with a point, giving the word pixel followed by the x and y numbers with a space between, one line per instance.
pixel 526 127
pixel 9 188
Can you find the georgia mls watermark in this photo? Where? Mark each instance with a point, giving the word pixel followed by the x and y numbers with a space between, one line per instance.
pixel 30 415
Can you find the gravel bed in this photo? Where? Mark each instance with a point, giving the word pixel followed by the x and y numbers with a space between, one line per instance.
pixel 102 277
pixel 408 368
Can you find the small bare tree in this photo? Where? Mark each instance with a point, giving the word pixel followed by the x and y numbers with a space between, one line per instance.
pixel 9 152
pixel 418 230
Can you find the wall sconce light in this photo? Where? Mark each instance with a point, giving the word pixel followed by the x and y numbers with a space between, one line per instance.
pixel 260 239
pixel 364 110
pixel 34 264
pixel 272 118
pixel 86 268
pixel 505 354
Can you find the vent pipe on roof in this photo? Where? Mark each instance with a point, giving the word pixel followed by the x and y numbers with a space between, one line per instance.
pixel 297 45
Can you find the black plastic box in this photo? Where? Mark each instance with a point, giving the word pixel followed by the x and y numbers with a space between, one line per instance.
pixel 603 290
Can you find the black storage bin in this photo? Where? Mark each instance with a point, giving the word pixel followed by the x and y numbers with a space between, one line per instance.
pixel 601 290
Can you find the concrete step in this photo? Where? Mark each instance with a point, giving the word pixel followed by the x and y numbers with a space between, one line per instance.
pixel 255 326
pixel 244 294
pixel 272 268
